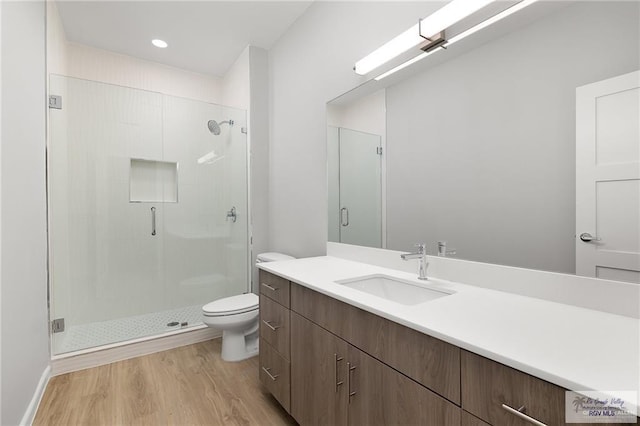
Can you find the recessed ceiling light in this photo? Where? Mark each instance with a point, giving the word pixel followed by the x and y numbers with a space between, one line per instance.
pixel 159 43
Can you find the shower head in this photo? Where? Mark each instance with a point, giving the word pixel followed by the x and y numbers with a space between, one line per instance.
pixel 214 126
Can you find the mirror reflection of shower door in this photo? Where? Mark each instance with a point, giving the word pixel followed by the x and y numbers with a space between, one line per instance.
pixel 360 201
pixel 118 158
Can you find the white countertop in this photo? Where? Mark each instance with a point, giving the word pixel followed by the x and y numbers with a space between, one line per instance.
pixel 572 347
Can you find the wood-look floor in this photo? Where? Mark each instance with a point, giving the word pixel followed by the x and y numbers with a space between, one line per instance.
pixel 190 385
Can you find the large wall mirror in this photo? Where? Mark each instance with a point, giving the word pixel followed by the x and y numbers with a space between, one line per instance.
pixel 508 152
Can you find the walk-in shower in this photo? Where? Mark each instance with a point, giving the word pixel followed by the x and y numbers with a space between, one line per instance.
pixel 139 195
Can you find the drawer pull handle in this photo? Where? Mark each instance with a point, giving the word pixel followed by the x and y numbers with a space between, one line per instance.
pixel 271 376
pixel 520 413
pixel 272 327
pixel 270 287
pixel 350 368
pixel 335 371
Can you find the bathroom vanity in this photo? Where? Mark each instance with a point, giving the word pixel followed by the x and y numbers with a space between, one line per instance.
pixel 332 354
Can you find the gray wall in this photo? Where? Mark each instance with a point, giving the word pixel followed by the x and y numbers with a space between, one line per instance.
pixel 25 353
pixel 310 65
pixel 481 149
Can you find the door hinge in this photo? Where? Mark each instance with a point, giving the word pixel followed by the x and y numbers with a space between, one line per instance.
pixel 379 150
pixel 55 101
pixel 57 325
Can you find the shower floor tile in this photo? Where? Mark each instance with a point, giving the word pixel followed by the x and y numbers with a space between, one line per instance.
pixel 78 337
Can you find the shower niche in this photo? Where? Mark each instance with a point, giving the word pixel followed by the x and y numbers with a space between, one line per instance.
pixel 153 181
pixel 138 234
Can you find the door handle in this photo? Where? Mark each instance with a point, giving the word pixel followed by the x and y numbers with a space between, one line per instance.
pixel 587 237
pixel 153 221
pixel 344 212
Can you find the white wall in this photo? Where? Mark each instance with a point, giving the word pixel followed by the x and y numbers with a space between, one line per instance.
pixel 81 61
pixel 367 114
pixel 481 149
pixel 310 65
pixel 258 129
pixel 24 319
pixel 235 84
pixel 109 67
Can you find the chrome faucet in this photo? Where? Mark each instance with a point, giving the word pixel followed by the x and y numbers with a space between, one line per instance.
pixel 442 249
pixel 422 264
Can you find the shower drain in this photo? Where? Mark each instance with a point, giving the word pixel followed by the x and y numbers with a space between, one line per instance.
pixel 176 323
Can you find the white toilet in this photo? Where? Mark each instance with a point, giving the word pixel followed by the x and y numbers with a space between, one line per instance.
pixel 237 317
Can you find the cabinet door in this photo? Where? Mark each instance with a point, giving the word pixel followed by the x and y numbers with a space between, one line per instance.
pixel 318 374
pixel 379 395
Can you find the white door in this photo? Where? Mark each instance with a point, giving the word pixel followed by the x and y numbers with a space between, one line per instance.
pixel 608 179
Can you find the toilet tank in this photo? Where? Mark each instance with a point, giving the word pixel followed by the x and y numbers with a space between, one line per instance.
pixel 272 257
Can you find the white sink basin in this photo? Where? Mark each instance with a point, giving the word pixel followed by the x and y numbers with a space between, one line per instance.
pixel 394 289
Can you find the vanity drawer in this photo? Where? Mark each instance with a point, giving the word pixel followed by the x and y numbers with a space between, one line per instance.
pixel 274 325
pixel 274 287
pixel 431 362
pixel 275 374
pixel 487 385
pixel 469 420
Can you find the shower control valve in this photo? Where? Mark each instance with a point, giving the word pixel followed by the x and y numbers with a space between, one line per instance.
pixel 231 214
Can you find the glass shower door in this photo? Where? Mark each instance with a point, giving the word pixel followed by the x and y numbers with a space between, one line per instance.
pixel 206 248
pixel 355 187
pixel 139 238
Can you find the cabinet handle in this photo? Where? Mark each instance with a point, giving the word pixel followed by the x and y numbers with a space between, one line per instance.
pixel 350 368
pixel 335 371
pixel 520 413
pixel 269 287
pixel 272 327
pixel 271 376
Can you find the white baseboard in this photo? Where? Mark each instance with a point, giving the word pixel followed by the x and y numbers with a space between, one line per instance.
pixel 107 354
pixel 32 409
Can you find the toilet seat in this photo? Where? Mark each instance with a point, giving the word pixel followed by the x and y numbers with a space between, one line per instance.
pixel 233 305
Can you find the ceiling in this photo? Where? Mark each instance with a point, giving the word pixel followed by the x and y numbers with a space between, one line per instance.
pixel 203 36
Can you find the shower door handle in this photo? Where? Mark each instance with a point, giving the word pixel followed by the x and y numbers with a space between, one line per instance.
pixel 344 216
pixel 153 221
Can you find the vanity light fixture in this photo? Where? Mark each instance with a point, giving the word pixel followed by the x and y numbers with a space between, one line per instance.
pixel 490 21
pixel 428 27
pixel 159 43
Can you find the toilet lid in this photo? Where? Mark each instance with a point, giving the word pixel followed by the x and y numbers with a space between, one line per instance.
pixel 232 305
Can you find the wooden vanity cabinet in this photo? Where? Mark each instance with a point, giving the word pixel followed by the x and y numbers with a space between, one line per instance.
pixel 275 366
pixel 333 382
pixel 318 374
pixel 330 363
pixel 470 420
pixel 489 388
pixel 429 361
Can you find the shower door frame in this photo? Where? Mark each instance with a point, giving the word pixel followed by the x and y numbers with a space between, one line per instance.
pixel 174 340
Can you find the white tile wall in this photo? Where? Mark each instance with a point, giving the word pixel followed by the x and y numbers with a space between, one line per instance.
pixel 106 265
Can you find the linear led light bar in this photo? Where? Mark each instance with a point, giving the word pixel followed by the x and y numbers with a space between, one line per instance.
pixel 495 18
pixel 441 19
